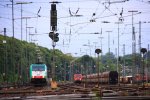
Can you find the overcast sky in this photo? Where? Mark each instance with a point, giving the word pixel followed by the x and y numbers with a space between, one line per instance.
pixel 77 34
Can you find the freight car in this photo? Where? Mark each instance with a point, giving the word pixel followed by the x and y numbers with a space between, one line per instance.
pixel 38 74
pixel 137 78
pixel 126 79
pixel 110 77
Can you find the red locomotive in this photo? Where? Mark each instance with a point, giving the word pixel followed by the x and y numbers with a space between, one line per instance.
pixel 77 78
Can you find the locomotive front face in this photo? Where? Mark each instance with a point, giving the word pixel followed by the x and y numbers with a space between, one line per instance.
pixel 77 77
pixel 38 71
pixel 38 74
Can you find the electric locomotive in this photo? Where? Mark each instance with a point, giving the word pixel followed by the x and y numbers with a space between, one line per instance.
pixel 77 78
pixel 38 74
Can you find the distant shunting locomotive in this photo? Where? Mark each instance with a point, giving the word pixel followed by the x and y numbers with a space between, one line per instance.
pixel 77 78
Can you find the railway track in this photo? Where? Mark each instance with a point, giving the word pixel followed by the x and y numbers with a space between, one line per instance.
pixel 20 91
pixel 46 90
pixel 72 88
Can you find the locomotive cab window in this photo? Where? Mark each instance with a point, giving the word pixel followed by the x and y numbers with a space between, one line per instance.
pixel 38 68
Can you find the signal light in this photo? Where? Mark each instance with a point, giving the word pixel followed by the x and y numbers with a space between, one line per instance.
pixel 56 38
pixel 98 51
pixel 51 35
pixel 53 17
pixel 53 7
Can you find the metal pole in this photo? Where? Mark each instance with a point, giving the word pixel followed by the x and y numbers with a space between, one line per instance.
pixel 65 72
pixel 109 43
pixel 147 64
pixel 118 50
pixel 13 18
pixel 53 62
pixel 98 71
pixel 124 61
pixel 118 63
pixel 143 70
pixel 28 53
pixel 95 48
pixel 108 62
pixel 21 3
pixel 26 50
pixel 116 56
pixel 101 49
pixel 139 44
pixel 101 45
pixel 20 76
pixel 5 54
pixel 70 72
pixel 13 64
pixel 89 46
pixel 29 33
pixel 98 51
pixel 26 29
pixel 133 42
pixel 143 50
pixel 21 22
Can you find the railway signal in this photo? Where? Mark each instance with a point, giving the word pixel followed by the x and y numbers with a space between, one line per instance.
pixel 98 51
pixel 143 50
pixel 51 35
pixel 54 36
pixel 53 17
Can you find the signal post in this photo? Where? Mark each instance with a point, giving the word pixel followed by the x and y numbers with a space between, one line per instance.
pixel 98 72
pixel 53 35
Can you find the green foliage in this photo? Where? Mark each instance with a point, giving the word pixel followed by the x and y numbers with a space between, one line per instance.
pixel 16 57
pixel 84 65
pixel 108 62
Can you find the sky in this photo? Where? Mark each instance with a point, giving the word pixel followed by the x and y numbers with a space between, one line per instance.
pixel 78 35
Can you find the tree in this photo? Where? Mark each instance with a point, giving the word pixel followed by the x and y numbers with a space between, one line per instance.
pixel 109 61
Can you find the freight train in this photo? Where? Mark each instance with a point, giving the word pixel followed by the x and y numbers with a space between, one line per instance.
pixel 110 77
pixel 38 74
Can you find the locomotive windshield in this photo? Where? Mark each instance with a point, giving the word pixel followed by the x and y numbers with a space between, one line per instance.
pixel 38 68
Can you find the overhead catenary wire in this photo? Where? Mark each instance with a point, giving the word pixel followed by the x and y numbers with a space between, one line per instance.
pixel 78 25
